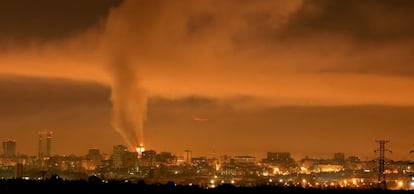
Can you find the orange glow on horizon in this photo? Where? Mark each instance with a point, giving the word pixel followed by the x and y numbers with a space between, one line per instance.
pixel 140 149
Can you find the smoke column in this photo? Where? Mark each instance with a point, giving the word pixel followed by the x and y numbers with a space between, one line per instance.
pixel 129 102
pixel 210 48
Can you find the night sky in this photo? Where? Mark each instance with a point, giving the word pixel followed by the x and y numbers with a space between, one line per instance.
pixel 312 77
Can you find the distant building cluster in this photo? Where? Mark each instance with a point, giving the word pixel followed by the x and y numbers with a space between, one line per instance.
pixel 278 168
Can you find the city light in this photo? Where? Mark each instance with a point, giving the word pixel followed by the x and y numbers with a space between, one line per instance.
pixel 233 171
pixel 400 184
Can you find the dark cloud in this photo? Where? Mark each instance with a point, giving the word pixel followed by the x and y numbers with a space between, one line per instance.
pixel 50 19
pixel 299 129
pixel 16 89
pixel 80 116
pixel 366 20
pixel 321 63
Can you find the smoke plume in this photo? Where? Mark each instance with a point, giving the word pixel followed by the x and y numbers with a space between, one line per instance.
pixel 269 50
pixel 129 102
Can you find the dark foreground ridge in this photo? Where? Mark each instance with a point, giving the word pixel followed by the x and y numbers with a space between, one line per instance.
pixel 124 187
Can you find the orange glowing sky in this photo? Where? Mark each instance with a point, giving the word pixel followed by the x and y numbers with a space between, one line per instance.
pixel 312 77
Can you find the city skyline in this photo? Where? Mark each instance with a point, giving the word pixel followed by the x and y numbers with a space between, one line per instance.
pixel 275 170
pixel 309 77
pixel 45 146
pixel 115 155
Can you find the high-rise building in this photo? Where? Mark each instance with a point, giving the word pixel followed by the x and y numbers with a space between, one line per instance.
pixel 9 149
pixel 118 154
pixel 94 156
pixel 148 158
pixel 166 157
pixel 339 157
pixel 129 160
pixel 45 144
pixel 187 156
pixel 244 160
pixel 282 157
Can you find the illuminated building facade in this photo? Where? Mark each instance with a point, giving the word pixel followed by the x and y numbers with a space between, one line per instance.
pixel 9 149
pixel 279 157
pixel 148 158
pixel 45 144
pixel 118 155
pixel 339 158
pixel 244 160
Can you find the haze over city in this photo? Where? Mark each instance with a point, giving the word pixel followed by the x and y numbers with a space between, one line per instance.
pixel 309 77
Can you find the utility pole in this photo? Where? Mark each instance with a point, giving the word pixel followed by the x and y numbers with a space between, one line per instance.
pixel 382 184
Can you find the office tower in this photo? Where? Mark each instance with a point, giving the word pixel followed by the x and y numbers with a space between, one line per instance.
pixel 339 157
pixel 9 149
pixel 166 158
pixel 94 156
pixel 129 160
pixel 45 144
pixel 187 156
pixel 282 159
pixel 279 157
pixel 118 154
pixel 148 158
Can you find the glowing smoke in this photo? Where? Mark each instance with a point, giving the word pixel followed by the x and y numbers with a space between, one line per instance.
pixel 129 102
pixel 211 48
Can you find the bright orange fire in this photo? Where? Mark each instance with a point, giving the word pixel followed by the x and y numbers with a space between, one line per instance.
pixel 140 148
